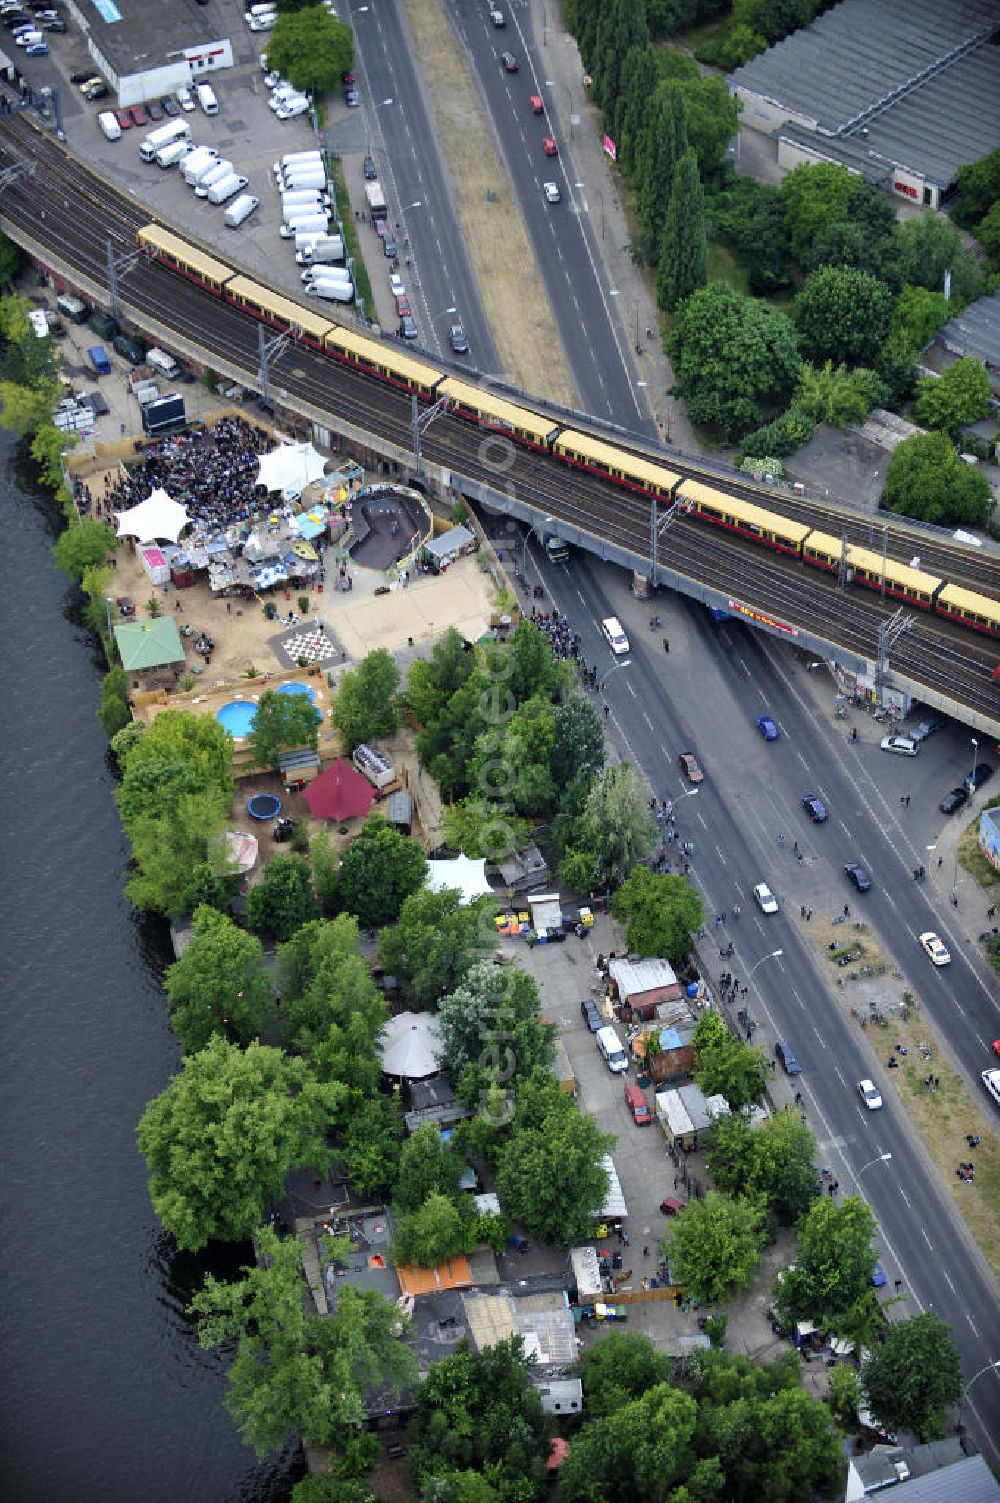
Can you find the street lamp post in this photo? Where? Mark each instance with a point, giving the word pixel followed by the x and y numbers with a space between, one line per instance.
pixel 108 603
pixel 993 1366
pixel 975 754
pixel 882 1158
pixel 774 955
pixel 613 669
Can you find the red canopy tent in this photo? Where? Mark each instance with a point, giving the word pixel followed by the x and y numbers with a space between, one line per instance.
pixel 339 793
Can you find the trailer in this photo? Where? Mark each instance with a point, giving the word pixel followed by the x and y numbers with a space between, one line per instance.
pixel 376 201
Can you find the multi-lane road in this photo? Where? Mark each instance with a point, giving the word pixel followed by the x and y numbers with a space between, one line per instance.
pixel 745 822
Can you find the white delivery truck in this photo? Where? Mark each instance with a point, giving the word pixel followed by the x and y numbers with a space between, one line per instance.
pixel 334 292
pixel 297 178
pixel 169 155
pixel 206 98
pixel 304 224
pixel 309 197
pixel 163 135
pixel 196 162
pixel 222 192
pixel 324 249
pixel 214 175
pixel 163 363
pixel 325 273
pixel 109 125
pixel 376 201
pixel 241 209
pixel 315 158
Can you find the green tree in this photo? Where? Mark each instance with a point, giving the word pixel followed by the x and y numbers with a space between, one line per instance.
pixel 220 1139
pixel 515 764
pixel 659 913
pixel 684 248
pixel 322 1487
pixel 83 545
pixel 845 1395
pixel 978 189
pixel 284 900
pixel 666 142
pixel 619 1369
pixel 752 219
pixel 371 1144
pixel 434 942
pixel 281 723
pixel 960 395
pixel 196 740
pixel 11 260
pixel 843 315
pixel 618 820
pixel 638 84
pixel 170 850
pixel 725 1065
pixel 365 708
pixel 913 1376
pixel 479 1411
pixel 492 1020
pixel 988 233
pixel 476 827
pixel 834 1262
pixel 926 248
pixel 774 19
pixel 550 1176
pixel 293 1372
pixel 429 1165
pixel 432 682
pixel 332 1008
pixel 579 742
pixel 434 1232
pixel 774 1163
pixel 711 112
pixel 645 1449
pixel 837 396
pixel 818 196
pixel 311 49
pixel 732 356
pixel 379 870
pixel 48 448
pixel 25 410
pixel 219 984
pixel 715 1246
pixel 114 715
pixel 925 478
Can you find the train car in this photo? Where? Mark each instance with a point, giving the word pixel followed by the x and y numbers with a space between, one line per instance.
pixel 381 360
pixel 865 567
pixel 744 517
pixel 824 551
pixel 280 311
pixel 163 245
pixel 642 475
pixel 482 407
pixel 968 608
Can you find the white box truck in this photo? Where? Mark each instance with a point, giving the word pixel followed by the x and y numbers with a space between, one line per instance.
pixel 297 178
pixel 308 197
pixel 206 98
pixel 163 135
pixel 222 192
pixel 196 162
pixel 241 209
pixel 214 175
pixel 324 249
pixel 376 201
pixel 170 155
pixel 109 125
pixel 315 158
pixel 304 224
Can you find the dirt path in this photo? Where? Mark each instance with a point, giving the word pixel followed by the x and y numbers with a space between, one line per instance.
pixel 528 342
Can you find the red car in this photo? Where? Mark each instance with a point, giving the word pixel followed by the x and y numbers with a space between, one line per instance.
pixel 996 1048
pixel 403 309
pixel 549 146
pixel 138 115
pixel 635 1100
pixel 124 119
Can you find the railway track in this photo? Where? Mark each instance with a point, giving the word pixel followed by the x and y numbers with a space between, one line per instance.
pixel 933 652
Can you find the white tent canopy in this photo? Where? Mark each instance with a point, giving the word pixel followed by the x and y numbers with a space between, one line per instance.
pixel 290 468
pixel 158 518
pixel 410 1044
pixel 463 875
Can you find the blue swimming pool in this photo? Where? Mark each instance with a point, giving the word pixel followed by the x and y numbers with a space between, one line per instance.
pixel 237 717
pixel 298 689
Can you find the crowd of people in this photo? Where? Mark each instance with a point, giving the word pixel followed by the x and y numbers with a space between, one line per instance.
pixel 213 472
pixel 564 641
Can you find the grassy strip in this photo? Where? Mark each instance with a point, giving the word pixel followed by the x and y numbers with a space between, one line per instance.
pixel 352 240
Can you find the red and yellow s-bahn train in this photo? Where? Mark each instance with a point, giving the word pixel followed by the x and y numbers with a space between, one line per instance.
pixel 379 359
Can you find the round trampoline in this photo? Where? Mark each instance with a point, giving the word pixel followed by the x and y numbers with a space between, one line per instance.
pixel 237 717
pixel 305 689
pixel 264 806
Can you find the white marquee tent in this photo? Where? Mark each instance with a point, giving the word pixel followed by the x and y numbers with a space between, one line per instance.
pixel 463 874
pixel 157 519
pixel 290 468
pixel 410 1045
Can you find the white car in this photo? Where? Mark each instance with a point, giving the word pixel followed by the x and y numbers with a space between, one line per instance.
pixel 185 99
pixel 292 107
pixel 766 900
pixel 551 191
pixel 901 745
pixel 396 286
pixel 934 949
pixel 869 1095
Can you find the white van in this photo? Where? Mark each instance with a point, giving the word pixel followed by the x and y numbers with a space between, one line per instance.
pixel 303 176
pixel 610 1046
pixel 334 292
pixel 292 157
pixel 163 135
pixel 240 210
pixel 222 192
pixel 206 99
pixel 109 125
pixel 196 162
pixel 163 363
pixel 304 224
pixel 326 273
pixel 214 175
pixel 617 640
pixel 308 197
pixel 324 249
pixel 169 156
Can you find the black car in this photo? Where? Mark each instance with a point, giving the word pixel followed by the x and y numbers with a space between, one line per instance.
pixel 980 774
pixel 407 327
pixel 81 75
pixel 785 1054
pixel 129 349
pixel 857 874
pixel 370 170
pixel 169 106
pixel 457 339
pixel 58 25
pixel 590 1014
pixel 389 247
pixel 814 807
pixel 954 800
pixel 153 110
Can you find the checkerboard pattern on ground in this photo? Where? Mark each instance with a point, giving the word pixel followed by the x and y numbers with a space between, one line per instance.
pixel 313 644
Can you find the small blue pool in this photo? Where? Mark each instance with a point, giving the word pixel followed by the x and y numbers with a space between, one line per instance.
pixel 298 689
pixel 237 717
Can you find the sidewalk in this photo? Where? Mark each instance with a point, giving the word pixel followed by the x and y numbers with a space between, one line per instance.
pixel 580 134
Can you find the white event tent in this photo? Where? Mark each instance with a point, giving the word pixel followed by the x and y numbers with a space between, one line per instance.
pixel 290 468
pixel 464 875
pixel 157 519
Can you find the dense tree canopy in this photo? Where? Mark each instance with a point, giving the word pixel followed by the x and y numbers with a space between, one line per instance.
pixel 725 1065
pixel 913 1375
pixel 550 1178
pixel 831 1279
pixel 311 49
pixel 365 708
pixel 683 247
pixel 659 913
pixel 843 315
pixel 617 825
pixel 81 546
pixel 818 196
pixel 620 1368
pixel 774 1162
pixel 960 395
pixel 283 722
pixel 492 1020
pixel 218 985
pixel 925 478
pixel 733 357
pixel 435 940
pixel 222 1136
pixel 715 1245
pixel 379 870
pixel 284 900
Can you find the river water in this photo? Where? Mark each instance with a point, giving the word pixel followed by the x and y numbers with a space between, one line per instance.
pixel 105 1396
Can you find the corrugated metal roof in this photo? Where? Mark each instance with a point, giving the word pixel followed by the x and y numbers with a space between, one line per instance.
pixel 967 1481
pixel 917 73
pixel 976 331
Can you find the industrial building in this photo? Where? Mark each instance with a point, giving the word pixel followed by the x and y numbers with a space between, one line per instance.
pixel 147 48
pixel 903 92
